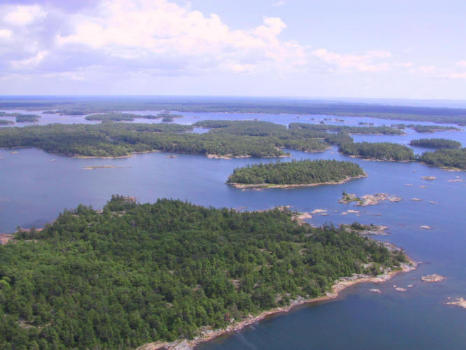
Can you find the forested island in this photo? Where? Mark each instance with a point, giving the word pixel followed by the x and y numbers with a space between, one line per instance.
pixel 420 128
pixel 436 143
pixel 365 130
pixel 137 273
pixel 295 174
pixel 22 118
pixel 129 117
pixel 378 150
pixel 446 158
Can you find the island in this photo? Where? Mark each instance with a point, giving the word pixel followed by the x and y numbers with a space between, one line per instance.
pixel 446 158
pixel 119 117
pixel 368 199
pixel 27 118
pixel 385 151
pixel 420 128
pixel 295 174
pixel 133 274
pixel 436 143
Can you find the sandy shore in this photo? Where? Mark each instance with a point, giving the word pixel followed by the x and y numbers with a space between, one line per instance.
pixel 338 287
pixel 254 186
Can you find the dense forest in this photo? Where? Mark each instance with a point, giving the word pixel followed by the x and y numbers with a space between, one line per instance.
pixel 376 130
pixel 125 117
pixel 295 173
pixel 135 273
pixel 114 139
pixel 425 128
pixel 446 158
pixel 378 150
pixel 435 143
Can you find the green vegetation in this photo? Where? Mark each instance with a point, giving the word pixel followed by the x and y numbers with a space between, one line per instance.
pixel 377 130
pixel 27 118
pixel 380 151
pixel 426 128
pixel 295 173
pixel 5 122
pixel 20 117
pixel 446 158
pixel 119 117
pixel 435 143
pixel 114 139
pixel 133 274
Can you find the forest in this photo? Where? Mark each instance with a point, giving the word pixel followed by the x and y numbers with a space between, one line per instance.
pixel 445 158
pixel 128 117
pixel 296 173
pixel 135 273
pixel 374 130
pixel 377 150
pixel 435 143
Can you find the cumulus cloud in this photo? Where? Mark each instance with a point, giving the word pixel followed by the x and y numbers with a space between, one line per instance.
pixel 80 39
pixel 371 61
pixel 143 29
pixel 19 15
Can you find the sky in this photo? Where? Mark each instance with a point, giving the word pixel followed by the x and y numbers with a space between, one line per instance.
pixel 407 49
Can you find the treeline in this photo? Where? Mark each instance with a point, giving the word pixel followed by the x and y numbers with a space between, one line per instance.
pixel 435 143
pixel 22 118
pixel 425 128
pixel 114 139
pixel 133 274
pixel 376 130
pixel 128 117
pixel 379 151
pixel 445 158
pixel 296 173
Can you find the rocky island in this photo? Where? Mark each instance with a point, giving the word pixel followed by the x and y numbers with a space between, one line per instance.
pixel 368 199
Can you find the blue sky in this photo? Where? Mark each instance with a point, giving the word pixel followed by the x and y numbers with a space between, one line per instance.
pixel 335 48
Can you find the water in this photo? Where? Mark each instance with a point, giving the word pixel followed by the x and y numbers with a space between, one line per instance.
pixel 35 186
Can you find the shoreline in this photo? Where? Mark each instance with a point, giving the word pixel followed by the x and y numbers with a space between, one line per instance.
pixel 290 186
pixel 339 286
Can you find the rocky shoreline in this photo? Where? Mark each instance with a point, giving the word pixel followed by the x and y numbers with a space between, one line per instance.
pixel 338 287
pixel 290 186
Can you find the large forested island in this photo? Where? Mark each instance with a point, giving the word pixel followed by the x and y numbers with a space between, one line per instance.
pixel 295 174
pixel 136 273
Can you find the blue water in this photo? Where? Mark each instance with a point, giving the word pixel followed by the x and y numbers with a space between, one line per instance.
pixel 35 186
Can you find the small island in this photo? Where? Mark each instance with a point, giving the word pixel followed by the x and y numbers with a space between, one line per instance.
pixel 295 174
pixel 436 143
pixel 367 199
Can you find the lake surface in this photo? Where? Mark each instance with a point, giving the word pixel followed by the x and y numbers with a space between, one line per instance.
pixel 36 186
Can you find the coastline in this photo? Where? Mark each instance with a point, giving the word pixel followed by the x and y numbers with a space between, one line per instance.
pixel 290 186
pixel 337 288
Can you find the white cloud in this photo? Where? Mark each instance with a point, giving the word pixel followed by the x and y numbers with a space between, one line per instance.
pixel 371 61
pixel 30 62
pixel 461 63
pixel 5 34
pixel 143 29
pixel 23 15
pixel 279 3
